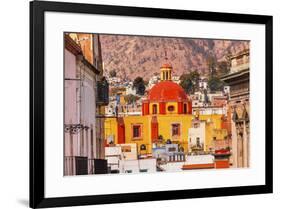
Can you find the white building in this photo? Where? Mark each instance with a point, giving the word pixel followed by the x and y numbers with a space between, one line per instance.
pixel 114 80
pixel 122 158
pixel 213 95
pixel 168 153
pixel 198 99
pixel 210 110
pixel 212 103
pixel 130 89
pixel 172 166
pixel 138 166
pixel 152 81
pixel 226 90
pixel 205 161
pixel 199 159
pixel 196 136
pixel 113 155
pixel 129 151
pixel 110 109
pixel 176 79
pixel 80 141
pixel 203 83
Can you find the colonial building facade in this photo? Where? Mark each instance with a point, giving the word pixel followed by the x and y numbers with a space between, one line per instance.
pixel 238 80
pixel 83 130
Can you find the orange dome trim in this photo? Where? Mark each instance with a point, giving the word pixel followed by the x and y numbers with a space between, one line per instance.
pixel 167 91
pixel 166 65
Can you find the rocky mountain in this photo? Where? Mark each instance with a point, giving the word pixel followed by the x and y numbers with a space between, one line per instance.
pixel 132 56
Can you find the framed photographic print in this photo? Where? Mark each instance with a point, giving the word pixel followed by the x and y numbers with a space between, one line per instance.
pixel 133 104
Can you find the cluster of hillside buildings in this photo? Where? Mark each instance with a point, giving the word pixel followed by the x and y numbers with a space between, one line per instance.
pixel 215 101
pixel 163 130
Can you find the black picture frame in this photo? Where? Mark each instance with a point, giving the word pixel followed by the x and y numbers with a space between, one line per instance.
pixel 37 101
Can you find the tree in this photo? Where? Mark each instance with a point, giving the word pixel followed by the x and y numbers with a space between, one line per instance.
pixel 215 84
pixel 186 83
pixel 195 77
pixel 139 85
pixel 112 73
pixel 190 82
pixel 212 66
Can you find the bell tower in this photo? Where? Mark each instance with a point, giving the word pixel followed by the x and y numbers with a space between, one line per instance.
pixel 166 70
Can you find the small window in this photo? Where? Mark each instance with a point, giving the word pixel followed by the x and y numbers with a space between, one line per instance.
pixel 197 142
pixel 126 148
pixel 175 129
pixel 143 170
pixel 172 149
pixel 128 171
pixel 154 109
pixel 142 147
pixel 171 108
pixel 136 131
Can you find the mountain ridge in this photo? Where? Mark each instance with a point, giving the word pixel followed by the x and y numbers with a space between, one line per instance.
pixel 132 56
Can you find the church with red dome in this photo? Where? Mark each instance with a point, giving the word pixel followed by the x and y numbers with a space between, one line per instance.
pixel 167 97
pixel 166 118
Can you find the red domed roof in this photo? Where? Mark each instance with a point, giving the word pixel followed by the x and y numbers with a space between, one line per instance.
pixel 167 91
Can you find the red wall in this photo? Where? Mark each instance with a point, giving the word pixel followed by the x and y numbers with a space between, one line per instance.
pixel 226 123
pixel 189 111
pixel 154 131
pixel 180 107
pixel 222 163
pixel 120 131
pixel 145 108
pixel 162 107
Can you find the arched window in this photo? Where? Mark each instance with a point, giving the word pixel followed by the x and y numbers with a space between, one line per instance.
pixel 184 108
pixel 176 129
pixel 154 109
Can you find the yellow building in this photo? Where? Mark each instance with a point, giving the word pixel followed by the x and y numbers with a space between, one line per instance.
pixel 166 118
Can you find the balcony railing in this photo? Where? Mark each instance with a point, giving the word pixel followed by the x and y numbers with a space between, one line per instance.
pixel 75 165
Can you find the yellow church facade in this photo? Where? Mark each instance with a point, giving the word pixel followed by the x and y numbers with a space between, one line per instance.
pixel 170 127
